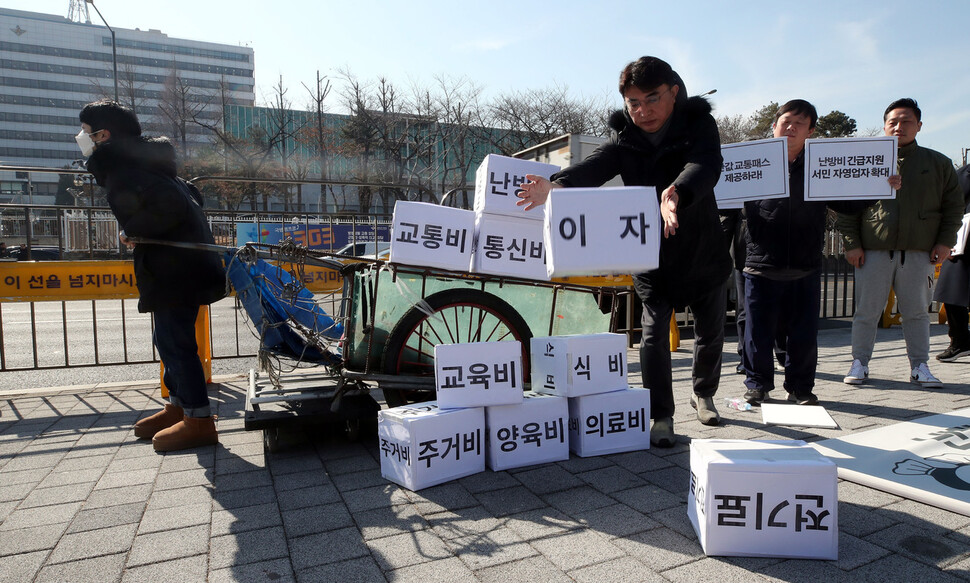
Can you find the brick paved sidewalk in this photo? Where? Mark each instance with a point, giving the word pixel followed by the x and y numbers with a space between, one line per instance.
pixel 82 500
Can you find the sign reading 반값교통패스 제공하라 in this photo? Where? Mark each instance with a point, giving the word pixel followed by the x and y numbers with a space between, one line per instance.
pixel 753 170
pixel 849 168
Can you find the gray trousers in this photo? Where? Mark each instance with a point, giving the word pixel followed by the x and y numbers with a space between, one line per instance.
pixel 910 275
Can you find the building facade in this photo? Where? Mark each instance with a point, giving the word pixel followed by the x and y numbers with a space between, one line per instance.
pixel 51 66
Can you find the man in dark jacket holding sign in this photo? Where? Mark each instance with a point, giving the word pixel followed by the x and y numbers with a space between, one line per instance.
pixel 151 202
pixel 666 140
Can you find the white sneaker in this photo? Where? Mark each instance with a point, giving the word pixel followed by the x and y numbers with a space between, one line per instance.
pixel 921 375
pixel 858 373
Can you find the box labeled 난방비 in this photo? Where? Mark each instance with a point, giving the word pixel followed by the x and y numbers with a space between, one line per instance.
pixel 422 445
pixel 499 178
pixel 763 499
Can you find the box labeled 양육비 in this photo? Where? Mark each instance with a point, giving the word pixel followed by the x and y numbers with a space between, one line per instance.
pixel 532 432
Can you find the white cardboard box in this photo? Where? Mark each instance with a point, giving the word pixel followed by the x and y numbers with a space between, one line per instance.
pixel 497 180
pixel 532 432
pixel 608 423
pixel 615 230
pixel 763 499
pixel 422 445
pixel 582 364
pixel 509 246
pixel 432 235
pixel 478 374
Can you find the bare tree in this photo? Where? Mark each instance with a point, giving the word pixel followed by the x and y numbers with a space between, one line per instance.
pixel 317 135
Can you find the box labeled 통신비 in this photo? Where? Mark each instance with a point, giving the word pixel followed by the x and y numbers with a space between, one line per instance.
pixel 509 246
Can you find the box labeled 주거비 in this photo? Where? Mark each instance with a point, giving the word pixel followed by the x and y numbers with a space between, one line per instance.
pixel 763 499
pixel 431 235
pixel 532 432
pixel 499 178
pixel 582 364
pixel 422 445
pixel 478 374
pixel 612 422
pixel 602 231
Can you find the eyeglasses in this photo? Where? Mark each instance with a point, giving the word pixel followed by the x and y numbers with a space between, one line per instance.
pixel 649 100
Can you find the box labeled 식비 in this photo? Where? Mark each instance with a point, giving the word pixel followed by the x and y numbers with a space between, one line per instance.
pixel 763 499
pixel 602 231
pixel 497 181
pixel 509 246
pixel 608 423
pixel 582 364
pixel 478 374
pixel 532 432
pixel 432 235
pixel 422 445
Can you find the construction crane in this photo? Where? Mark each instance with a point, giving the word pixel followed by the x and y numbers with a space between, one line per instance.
pixel 78 12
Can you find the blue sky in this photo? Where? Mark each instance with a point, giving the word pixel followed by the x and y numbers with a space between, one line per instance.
pixel 853 55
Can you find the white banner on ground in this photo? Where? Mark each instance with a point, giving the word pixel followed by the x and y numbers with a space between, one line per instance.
pixel 752 171
pixel 927 460
pixel 797 416
pixel 849 168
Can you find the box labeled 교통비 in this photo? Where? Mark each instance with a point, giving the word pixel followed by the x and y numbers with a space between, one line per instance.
pixel 422 445
pixel 509 246
pixel 432 235
pixel 499 178
pixel 583 364
pixel 607 423
pixel 763 499
pixel 532 432
pixel 602 231
pixel 478 374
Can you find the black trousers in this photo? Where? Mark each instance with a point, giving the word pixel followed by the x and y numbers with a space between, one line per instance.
pixel 957 320
pixel 709 315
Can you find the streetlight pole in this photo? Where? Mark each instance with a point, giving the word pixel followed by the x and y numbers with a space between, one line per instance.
pixel 114 46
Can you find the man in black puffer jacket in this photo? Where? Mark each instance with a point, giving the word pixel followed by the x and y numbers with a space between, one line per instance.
pixel 669 141
pixel 783 260
pixel 150 201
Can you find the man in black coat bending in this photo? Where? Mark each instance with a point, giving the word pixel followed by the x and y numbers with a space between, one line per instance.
pixel 150 201
pixel 666 140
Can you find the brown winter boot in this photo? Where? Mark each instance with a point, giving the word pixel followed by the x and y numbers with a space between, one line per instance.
pixel 147 428
pixel 188 433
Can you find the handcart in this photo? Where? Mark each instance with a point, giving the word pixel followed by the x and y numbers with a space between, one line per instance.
pixel 378 330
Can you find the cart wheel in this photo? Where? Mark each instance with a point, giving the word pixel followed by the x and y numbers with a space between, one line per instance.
pixel 271 439
pixel 352 429
pixel 457 316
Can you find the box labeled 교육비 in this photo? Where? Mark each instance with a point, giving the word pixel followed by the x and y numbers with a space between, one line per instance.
pixel 607 423
pixel 583 364
pixel 509 246
pixel 499 178
pixel 432 235
pixel 532 432
pixel 422 445
pixel 478 374
pixel 763 499
pixel 602 231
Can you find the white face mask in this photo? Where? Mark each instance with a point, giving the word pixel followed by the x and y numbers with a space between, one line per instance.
pixel 85 143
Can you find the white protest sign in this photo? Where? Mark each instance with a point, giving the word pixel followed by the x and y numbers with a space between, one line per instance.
pixel 752 171
pixel 849 168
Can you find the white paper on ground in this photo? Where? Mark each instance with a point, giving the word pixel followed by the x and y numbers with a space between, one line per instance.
pixel 797 415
